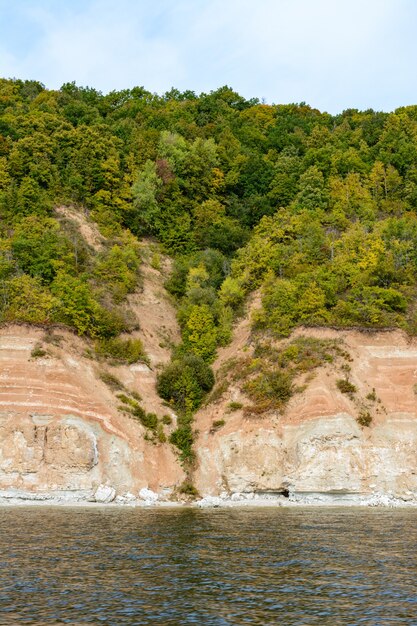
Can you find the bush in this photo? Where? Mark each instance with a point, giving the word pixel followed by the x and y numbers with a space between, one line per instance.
pixel 372 396
pixel 234 406
pixel 111 381
pixel 275 386
pixel 38 352
pixel 364 418
pixel 185 381
pixel 131 406
pixel 188 489
pixel 345 386
pixel 200 334
pixel 121 350
pixel 182 438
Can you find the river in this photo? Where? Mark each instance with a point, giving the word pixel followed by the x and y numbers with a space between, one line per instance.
pixel 208 567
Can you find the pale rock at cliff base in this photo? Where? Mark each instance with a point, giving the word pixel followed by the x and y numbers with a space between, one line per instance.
pixel 149 496
pixel 209 502
pixel 126 498
pixel 105 494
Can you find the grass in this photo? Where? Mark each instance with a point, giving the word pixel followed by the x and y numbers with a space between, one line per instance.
pixel 372 397
pixel 188 489
pixel 234 406
pixel 217 424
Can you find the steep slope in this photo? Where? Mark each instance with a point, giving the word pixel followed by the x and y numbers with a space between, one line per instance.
pixel 315 447
pixel 62 431
pixel 65 437
pixel 61 434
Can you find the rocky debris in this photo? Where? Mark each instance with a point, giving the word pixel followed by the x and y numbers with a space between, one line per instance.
pixel 209 502
pixel 148 496
pixel 105 494
pixel 126 498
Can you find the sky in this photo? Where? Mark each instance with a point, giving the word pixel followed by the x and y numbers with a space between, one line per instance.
pixel 332 54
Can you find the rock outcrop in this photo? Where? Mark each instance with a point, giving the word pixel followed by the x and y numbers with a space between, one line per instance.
pixel 62 437
pixel 317 448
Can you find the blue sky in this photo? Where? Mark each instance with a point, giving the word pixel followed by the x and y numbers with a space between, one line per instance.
pixel 333 54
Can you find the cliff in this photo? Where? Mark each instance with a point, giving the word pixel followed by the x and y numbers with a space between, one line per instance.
pixel 62 436
pixel 317 449
pixel 63 433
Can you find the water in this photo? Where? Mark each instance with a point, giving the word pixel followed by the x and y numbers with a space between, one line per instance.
pixel 208 567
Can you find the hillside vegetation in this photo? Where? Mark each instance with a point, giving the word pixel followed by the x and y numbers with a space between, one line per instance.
pixel 317 211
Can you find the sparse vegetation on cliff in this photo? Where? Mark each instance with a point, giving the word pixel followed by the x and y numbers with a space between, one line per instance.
pixel 184 383
pixel 274 373
pixel 121 350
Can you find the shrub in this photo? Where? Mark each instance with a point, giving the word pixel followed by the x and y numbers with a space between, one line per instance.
pixel 111 381
pixel 200 334
pixel 51 338
pixel 121 350
pixel 182 438
pixel 270 376
pixel 188 489
pixel 232 293
pixel 275 386
pixel 372 396
pixel 38 352
pixel 185 381
pixel 126 400
pixel 156 261
pixel 364 418
pixel 234 406
pixel 345 386
pixel 160 434
pixel 149 420
pixel 117 268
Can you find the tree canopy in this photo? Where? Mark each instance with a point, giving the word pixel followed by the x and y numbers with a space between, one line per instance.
pixel 318 211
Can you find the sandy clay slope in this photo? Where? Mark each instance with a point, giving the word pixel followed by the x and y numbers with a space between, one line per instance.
pixel 62 435
pixel 316 450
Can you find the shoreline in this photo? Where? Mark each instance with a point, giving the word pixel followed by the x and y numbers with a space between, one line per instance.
pixel 235 501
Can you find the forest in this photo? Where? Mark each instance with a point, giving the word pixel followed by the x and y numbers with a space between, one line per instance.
pixel 316 211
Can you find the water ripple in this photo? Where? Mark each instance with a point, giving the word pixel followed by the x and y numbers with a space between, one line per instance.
pixel 211 567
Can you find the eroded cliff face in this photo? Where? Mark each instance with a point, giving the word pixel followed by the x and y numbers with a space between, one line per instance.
pixel 60 431
pixel 62 435
pixel 316 448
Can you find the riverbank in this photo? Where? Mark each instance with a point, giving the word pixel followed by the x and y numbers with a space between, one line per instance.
pixel 236 500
